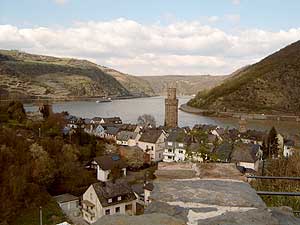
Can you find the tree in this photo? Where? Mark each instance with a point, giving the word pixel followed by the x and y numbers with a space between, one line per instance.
pixel 146 120
pixel 42 165
pixel 16 111
pixel 272 144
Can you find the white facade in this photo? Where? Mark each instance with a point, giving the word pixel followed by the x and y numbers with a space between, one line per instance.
pixel 287 150
pixel 92 208
pixel 154 149
pixel 249 165
pixel 171 155
pixel 104 175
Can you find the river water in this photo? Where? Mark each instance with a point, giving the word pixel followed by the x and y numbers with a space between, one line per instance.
pixel 130 109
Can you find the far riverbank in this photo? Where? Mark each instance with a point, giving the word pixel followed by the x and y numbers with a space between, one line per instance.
pixel 247 116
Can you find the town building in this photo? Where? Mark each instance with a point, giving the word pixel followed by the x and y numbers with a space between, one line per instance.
pixel 171 109
pixel 108 199
pixel 109 120
pixel 67 202
pixel 143 192
pixel 288 147
pixel 127 138
pixel 104 165
pixel 152 141
pixel 175 146
pixel 247 155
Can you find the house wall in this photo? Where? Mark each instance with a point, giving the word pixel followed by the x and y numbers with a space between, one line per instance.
pixel 247 165
pixel 69 206
pixel 147 195
pixel 122 208
pixel 102 175
pixel 287 151
pixel 91 196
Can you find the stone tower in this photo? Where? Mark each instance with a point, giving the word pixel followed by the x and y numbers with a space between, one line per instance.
pixel 171 109
pixel 242 125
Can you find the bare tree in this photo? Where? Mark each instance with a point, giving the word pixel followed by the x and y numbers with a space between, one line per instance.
pixel 146 120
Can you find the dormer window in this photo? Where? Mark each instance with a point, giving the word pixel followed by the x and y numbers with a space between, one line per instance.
pixel 119 198
pixel 110 200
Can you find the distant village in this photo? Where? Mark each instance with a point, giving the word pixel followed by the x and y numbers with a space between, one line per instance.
pixel 133 147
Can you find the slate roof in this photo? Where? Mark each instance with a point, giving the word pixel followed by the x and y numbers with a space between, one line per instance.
pixel 245 153
pixel 254 135
pixel 128 127
pixel 151 135
pixel 110 161
pixel 65 198
pixel 224 151
pixel 126 135
pixel 111 190
pixel 177 135
pixel 139 188
pixel 112 130
pixel 289 142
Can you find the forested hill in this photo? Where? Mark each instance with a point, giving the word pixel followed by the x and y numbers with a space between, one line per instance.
pixel 269 86
pixel 36 75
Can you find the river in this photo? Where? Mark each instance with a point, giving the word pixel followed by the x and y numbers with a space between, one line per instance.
pixel 130 109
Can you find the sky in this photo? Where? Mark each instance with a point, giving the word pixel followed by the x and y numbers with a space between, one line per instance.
pixel 152 37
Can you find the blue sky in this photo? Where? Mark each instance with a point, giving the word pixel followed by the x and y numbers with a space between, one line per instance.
pixel 154 36
pixel 263 14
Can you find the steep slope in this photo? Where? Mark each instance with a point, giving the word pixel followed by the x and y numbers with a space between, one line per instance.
pixel 136 85
pixel 269 86
pixel 45 76
pixel 186 85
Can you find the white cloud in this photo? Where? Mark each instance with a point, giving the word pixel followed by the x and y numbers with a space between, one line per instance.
pixel 60 2
pixel 236 2
pixel 186 47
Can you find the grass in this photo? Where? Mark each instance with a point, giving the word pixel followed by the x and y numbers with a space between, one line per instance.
pixel 52 214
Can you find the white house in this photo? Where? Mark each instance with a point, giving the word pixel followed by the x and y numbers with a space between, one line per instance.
pixel 247 155
pixel 127 138
pixel 288 148
pixel 175 146
pixel 142 192
pixel 109 120
pixel 152 141
pixel 104 165
pixel 108 199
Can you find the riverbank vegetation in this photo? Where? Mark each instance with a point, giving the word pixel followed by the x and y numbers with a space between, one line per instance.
pixel 37 161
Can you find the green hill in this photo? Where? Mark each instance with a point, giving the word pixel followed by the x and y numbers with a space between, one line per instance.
pixel 269 86
pixel 31 75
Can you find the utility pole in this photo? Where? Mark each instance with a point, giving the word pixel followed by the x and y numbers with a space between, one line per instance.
pixel 41 216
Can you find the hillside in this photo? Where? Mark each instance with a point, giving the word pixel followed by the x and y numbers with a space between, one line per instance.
pixel 269 86
pixel 31 75
pixel 136 85
pixel 186 85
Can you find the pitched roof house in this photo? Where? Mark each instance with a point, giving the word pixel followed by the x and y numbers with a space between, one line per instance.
pixel 247 155
pixel 104 164
pixel 152 141
pixel 127 138
pixel 108 199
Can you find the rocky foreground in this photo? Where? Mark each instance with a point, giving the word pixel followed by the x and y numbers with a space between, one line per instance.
pixel 203 199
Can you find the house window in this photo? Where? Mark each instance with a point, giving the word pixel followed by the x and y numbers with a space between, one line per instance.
pixel 119 198
pixel 117 209
pixel 180 145
pixel 180 151
pixel 151 147
pixel 107 212
pixel 110 200
pixel 170 150
pixel 170 143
